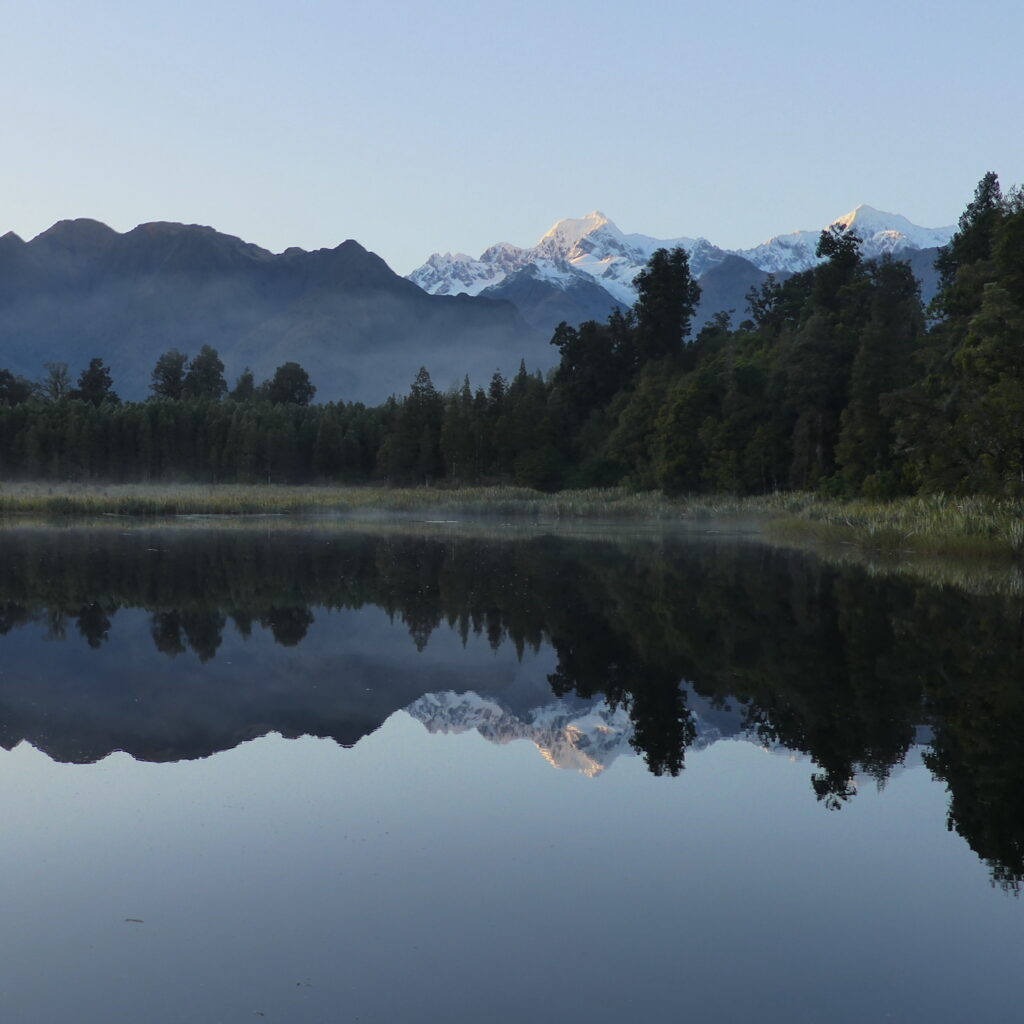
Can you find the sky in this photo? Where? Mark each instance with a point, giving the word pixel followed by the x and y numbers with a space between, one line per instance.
pixel 419 127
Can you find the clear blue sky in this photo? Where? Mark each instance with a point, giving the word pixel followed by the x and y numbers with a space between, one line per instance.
pixel 415 127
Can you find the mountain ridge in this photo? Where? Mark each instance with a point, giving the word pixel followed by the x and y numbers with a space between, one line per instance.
pixel 81 289
pixel 592 250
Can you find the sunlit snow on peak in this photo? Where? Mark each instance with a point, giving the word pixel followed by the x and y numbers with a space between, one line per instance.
pixel 594 245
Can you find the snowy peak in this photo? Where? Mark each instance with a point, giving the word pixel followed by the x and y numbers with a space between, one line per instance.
pixel 448 274
pixel 592 245
pixel 568 233
pixel 880 233
pixel 890 232
pixel 595 247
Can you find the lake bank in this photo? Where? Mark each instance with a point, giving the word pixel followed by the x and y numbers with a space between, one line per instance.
pixel 966 527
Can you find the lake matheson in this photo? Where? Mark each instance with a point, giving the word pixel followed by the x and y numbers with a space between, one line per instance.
pixel 442 773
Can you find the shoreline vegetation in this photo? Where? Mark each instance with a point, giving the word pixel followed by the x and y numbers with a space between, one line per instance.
pixel 976 527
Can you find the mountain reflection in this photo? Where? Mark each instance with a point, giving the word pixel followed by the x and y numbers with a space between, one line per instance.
pixel 196 640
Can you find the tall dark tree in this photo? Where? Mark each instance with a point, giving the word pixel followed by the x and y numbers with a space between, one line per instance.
pixel 245 387
pixel 990 368
pixel 290 385
pixel 1009 254
pixel 13 389
pixel 95 385
pixel 969 382
pixel 839 246
pixel 667 297
pixel 412 451
pixel 458 441
pixel 883 363
pixel 168 378
pixel 817 356
pixel 205 376
pixel 590 369
pixel 962 264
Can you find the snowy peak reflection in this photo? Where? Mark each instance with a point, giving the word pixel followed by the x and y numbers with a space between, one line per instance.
pixel 585 736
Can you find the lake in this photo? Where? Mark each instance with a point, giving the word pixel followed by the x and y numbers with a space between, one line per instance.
pixel 334 772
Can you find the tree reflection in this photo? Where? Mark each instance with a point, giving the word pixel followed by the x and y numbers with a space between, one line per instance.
pixel 288 626
pixel 93 623
pixel 830 662
pixel 166 630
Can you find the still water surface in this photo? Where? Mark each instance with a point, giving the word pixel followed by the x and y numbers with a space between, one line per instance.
pixel 432 775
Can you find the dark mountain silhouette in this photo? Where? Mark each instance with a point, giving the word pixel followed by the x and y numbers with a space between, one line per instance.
pixel 545 303
pixel 80 290
pixel 724 287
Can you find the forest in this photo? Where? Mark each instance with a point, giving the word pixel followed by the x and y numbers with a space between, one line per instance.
pixel 837 380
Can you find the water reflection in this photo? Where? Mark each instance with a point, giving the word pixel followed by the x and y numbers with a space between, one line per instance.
pixel 175 643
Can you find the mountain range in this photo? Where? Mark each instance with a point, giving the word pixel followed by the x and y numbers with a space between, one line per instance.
pixel 81 289
pixel 583 268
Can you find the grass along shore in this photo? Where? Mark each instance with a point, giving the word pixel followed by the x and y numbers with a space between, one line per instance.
pixel 976 527
pixel 82 500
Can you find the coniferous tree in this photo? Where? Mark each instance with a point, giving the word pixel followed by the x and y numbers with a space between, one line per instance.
pixel 411 452
pixel 883 363
pixel 963 262
pixel 168 378
pixel 667 297
pixel 13 389
pixel 95 385
pixel 205 376
pixel 989 428
pixel 939 417
pixel 290 385
pixel 245 387
pixel 818 358
pixel 457 436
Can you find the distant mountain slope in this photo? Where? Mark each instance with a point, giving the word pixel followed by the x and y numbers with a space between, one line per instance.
pixel 81 290
pixel 548 292
pixel 583 268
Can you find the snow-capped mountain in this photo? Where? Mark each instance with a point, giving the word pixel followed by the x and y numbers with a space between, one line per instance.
pixel 572 734
pixel 880 233
pixel 592 250
pixel 591 246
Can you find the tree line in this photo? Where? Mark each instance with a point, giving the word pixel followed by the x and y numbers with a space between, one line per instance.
pixel 836 378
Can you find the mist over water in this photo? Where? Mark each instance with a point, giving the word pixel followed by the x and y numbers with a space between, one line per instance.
pixel 433 773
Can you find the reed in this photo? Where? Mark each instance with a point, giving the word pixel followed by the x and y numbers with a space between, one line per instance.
pixel 64 501
pixel 972 527
pixel 975 527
